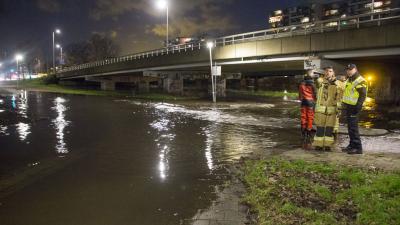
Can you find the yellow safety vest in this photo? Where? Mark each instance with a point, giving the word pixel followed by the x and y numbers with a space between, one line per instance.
pixel 351 94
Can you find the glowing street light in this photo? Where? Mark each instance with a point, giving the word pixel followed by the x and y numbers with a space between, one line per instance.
pixel 61 52
pixel 210 46
pixel 18 58
pixel 163 4
pixel 56 31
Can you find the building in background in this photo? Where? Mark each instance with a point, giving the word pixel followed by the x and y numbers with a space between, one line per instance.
pixel 327 10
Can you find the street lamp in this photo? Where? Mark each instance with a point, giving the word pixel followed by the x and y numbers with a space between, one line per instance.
pixel 210 46
pixel 61 53
pixel 163 4
pixel 56 31
pixel 18 57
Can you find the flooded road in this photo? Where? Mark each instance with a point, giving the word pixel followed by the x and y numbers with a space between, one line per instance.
pixel 94 160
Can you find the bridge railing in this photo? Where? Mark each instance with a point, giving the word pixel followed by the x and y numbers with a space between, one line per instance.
pixel 376 18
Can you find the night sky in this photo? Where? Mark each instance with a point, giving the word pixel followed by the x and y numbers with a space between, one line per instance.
pixel 135 25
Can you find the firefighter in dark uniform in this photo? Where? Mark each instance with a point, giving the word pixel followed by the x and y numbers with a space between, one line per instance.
pixel 354 96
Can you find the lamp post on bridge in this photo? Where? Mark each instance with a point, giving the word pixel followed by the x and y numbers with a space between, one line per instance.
pixel 56 31
pixel 164 4
pixel 61 54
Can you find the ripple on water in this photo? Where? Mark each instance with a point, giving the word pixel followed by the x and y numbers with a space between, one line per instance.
pixel 218 116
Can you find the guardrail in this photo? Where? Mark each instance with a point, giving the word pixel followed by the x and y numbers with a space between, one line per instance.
pixel 376 18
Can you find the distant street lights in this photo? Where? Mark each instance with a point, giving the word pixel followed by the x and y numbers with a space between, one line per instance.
pixel 18 58
pixel 163 4
pixel 56 31
pixel 210 46
pixel 61 53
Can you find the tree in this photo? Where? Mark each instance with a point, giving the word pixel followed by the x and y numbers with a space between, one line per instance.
pixel 77 53
pixel 98 47
pixel 101 47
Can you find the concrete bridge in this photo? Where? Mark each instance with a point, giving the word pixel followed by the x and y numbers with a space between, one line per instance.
pixel 283 51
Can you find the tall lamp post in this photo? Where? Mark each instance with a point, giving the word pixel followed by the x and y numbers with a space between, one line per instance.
pixel 163 4
pixel 18 58
pixel 56 31
pixel 210 46
pixel 61 53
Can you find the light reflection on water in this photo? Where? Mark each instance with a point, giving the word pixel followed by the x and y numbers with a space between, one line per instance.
pixel 23 104
pixel 23 130
pixel 229 135
pixel 4 130
pixel 163 126
pixel 60 123
pixel 210 136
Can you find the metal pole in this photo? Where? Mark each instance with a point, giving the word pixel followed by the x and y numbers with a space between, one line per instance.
pixel 17 73
pixel 167 25
pixel 372 9
pixel 212 78
pixel 61 57
pixel 54 61
pixel 215 86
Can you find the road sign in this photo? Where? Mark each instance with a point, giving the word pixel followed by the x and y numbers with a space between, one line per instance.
pixel 216 71
pixel 312 64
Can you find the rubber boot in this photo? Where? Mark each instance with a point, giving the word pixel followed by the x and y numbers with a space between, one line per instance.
pixel 308 140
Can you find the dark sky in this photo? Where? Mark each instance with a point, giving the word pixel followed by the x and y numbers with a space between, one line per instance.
pixel 136 25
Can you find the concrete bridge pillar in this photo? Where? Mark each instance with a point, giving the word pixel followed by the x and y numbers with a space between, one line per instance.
pixel 108 85
pixel 221 87
pixel 173 84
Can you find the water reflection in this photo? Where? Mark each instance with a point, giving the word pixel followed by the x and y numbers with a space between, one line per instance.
pixel 4 130
pixel 60 123
pixel 13 102
pixel 23 104
pixel 23 130
pixel 163 126
pixel 210 135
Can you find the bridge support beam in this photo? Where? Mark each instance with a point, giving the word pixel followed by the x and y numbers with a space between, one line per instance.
pixel 221 86
pixel 173 84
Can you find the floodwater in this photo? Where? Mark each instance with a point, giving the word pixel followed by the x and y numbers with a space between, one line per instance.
pixel 93 160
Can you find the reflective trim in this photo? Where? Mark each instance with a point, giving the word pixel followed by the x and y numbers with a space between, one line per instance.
pixel 320 109
pixel 326 109
pixel 351 95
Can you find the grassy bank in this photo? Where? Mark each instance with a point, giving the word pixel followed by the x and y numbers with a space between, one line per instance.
pixel 298 192
pixel 40 85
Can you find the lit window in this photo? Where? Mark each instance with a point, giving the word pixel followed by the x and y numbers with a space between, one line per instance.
pixel 305 20
pixel 331 24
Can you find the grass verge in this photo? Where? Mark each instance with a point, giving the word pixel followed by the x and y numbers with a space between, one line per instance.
pixel 40 85
pixel 298 192
pixel 292 95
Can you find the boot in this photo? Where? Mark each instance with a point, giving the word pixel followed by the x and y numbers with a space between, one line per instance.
pixel 308 140
pixel 347 149
pixel 303 138
pixel 355 151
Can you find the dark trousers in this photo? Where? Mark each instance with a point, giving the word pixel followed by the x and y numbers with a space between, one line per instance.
pixel 352 125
